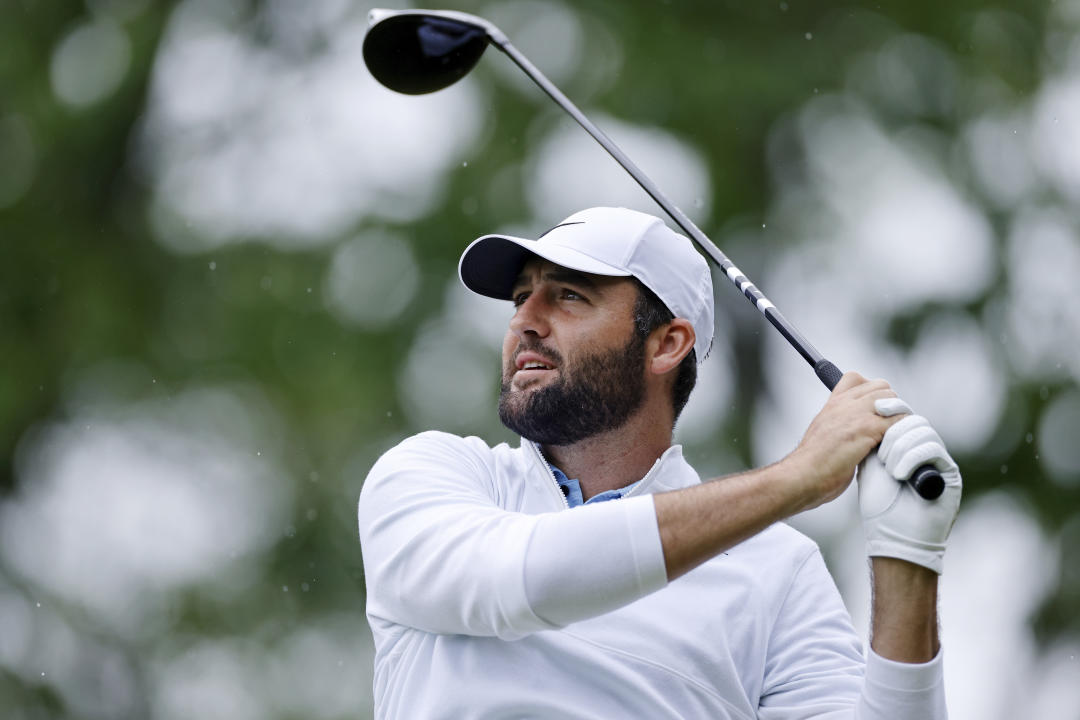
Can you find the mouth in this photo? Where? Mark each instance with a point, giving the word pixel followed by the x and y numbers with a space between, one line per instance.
pixel 532 361
pixel 535 365
pixel 530 367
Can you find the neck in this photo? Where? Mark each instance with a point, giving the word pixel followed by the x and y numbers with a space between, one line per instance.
pixel 616 458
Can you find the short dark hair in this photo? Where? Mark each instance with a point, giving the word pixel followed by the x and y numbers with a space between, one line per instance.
pixel 650 312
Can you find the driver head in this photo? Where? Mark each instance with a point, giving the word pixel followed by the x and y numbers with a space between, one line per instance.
pixel 421 52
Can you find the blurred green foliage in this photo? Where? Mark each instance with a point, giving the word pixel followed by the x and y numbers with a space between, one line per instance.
pixel 83 280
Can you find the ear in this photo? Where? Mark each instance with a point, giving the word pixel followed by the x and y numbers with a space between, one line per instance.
pixel 669 345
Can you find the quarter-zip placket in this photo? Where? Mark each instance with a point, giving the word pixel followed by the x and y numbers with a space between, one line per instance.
pixel 644 481
pixel 640 485
pixel 550 473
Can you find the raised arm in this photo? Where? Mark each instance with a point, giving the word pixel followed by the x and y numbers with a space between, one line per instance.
pixel 700 522
pixel 905 539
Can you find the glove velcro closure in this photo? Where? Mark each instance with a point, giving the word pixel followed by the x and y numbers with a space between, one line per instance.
pixel 888 544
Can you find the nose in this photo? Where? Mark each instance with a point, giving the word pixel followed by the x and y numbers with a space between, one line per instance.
pixel 531 317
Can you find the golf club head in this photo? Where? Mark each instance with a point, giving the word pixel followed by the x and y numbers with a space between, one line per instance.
pixel 418 52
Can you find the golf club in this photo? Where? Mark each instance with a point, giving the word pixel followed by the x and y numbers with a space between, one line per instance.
pixel 421 51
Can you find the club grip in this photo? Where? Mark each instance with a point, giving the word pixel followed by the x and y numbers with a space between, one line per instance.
pixel 827 373
pixel 926 480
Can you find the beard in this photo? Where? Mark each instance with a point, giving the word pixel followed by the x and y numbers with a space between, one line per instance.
pixel 595 392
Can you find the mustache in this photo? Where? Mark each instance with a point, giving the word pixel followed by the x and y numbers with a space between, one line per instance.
pixel 550 354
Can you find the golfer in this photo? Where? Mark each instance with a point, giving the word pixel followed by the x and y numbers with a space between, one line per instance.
pixel 589 572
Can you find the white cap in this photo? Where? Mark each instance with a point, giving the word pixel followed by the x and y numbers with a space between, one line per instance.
pixel 604 241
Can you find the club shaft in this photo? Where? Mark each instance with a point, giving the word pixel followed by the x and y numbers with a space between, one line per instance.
pixel 926 480
pixel 733 273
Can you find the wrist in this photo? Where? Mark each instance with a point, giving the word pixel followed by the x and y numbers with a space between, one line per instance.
pixel 904 611
pixel 799 477
pixel 903 578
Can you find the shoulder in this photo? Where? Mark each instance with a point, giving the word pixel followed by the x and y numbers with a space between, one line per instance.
pixel 435 442
pixel 795 587
pixel 434 456
pixel 779 544
pixel 435 449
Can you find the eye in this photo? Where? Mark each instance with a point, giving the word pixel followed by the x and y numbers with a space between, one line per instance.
pixel 519 298
pixel 571 294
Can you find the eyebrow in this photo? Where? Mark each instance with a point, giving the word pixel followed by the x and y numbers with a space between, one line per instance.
pixel 562 275
pixel 559 274
pixel 573 277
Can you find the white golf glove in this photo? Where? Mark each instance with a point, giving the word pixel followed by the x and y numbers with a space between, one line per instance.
pixel 897 522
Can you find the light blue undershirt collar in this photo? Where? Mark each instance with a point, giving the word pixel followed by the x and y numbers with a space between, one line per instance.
pixel 572 490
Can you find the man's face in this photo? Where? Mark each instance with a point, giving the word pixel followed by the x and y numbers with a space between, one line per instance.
pixel 573 367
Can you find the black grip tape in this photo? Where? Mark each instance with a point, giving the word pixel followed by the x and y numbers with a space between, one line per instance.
pixel 828 373
pixel 928 482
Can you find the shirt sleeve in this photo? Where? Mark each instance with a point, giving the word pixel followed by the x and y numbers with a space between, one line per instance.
pixel 440 555
pixel 815 669
pixel 901 690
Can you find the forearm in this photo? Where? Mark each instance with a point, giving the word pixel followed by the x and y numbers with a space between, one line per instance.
pixel 904 617
pixel 699 522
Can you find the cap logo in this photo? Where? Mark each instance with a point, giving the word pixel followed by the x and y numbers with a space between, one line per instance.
pixel 616 243
pixel 579 222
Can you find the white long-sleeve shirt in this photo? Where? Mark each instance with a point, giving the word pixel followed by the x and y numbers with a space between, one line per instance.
pixel 489 598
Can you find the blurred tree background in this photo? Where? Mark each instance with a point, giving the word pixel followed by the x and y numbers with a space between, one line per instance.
pixel 227 284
